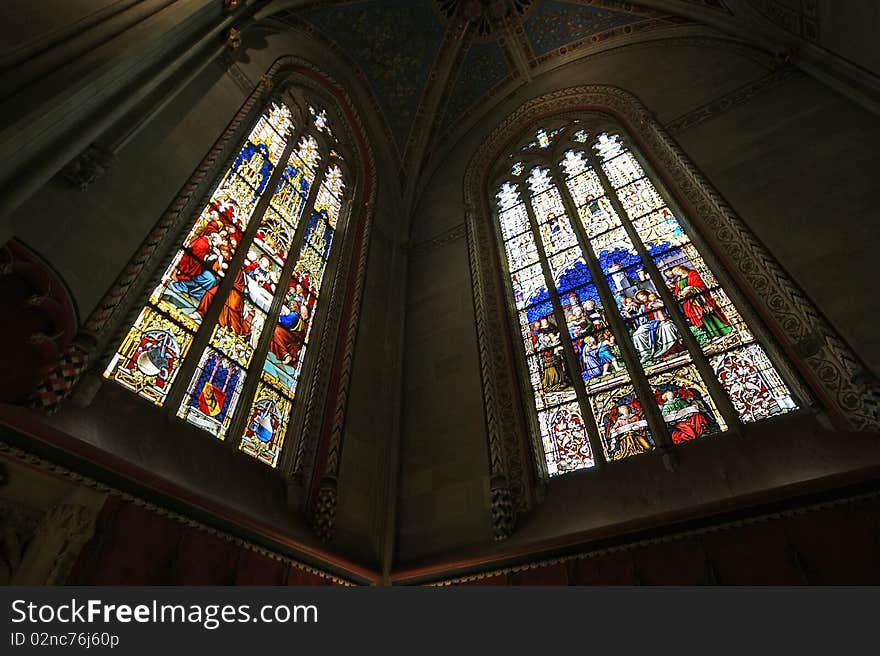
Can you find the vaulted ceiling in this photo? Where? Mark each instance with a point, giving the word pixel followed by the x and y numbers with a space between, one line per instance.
pixel 428 63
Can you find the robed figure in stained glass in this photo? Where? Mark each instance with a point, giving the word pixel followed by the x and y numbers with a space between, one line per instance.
pixel 684 414
pixel 289 334
pixel 699 307
pixel 626 431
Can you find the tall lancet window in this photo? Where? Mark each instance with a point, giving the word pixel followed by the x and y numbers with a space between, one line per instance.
pixel 224 333
pixel 629 339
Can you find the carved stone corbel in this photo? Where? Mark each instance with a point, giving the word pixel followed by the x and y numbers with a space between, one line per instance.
pixel 89 166
pixel 58 539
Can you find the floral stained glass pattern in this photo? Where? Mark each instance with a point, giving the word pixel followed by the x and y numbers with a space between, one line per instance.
pixel 564 435
pixel 755 388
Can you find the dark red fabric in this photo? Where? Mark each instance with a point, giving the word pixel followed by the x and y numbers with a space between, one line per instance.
pixel 138 548
pixel 205 559
pixel 679 562
pixel 297 576
pixel 255 568
pixel 756 554
pixel 838 546
pixel 548 575
pixel 497 579
pixel 610 569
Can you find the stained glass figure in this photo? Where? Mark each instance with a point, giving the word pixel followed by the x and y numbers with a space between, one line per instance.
pixel 639 197
pixel 529 287
pixel 597 216
pixel 669 317
pixel 557 233
pixel 593 342
pixel 622 424
pixel 239 325
pixel 686 405
pixel 291 333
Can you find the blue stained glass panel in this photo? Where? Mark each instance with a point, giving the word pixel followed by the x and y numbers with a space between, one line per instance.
pixel 319 234
pixel 252 165
pixel 569 270
pixel 615 251
pixel 213 393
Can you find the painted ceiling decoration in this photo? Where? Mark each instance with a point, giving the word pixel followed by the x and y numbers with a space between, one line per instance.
pixel 487 15
pixel 553 23
pixel 425 78
pixel 393 43
pixel 482 67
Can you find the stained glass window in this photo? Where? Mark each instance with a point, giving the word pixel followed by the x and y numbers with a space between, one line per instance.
pixel 629 338
pixel 252 247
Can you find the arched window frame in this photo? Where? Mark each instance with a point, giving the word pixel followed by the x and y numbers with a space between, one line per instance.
pixel 529 155
pixel 306 123
pixel 827 370
pixel 311 463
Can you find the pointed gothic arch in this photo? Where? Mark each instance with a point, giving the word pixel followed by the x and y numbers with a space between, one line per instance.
pixel 310 461
pixel 832 373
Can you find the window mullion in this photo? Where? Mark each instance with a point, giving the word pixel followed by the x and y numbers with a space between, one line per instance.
pixel 203 336
pixel 633 366
pixel 250 385
pixel 722 401
pixel 574 370
pixel 290 460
